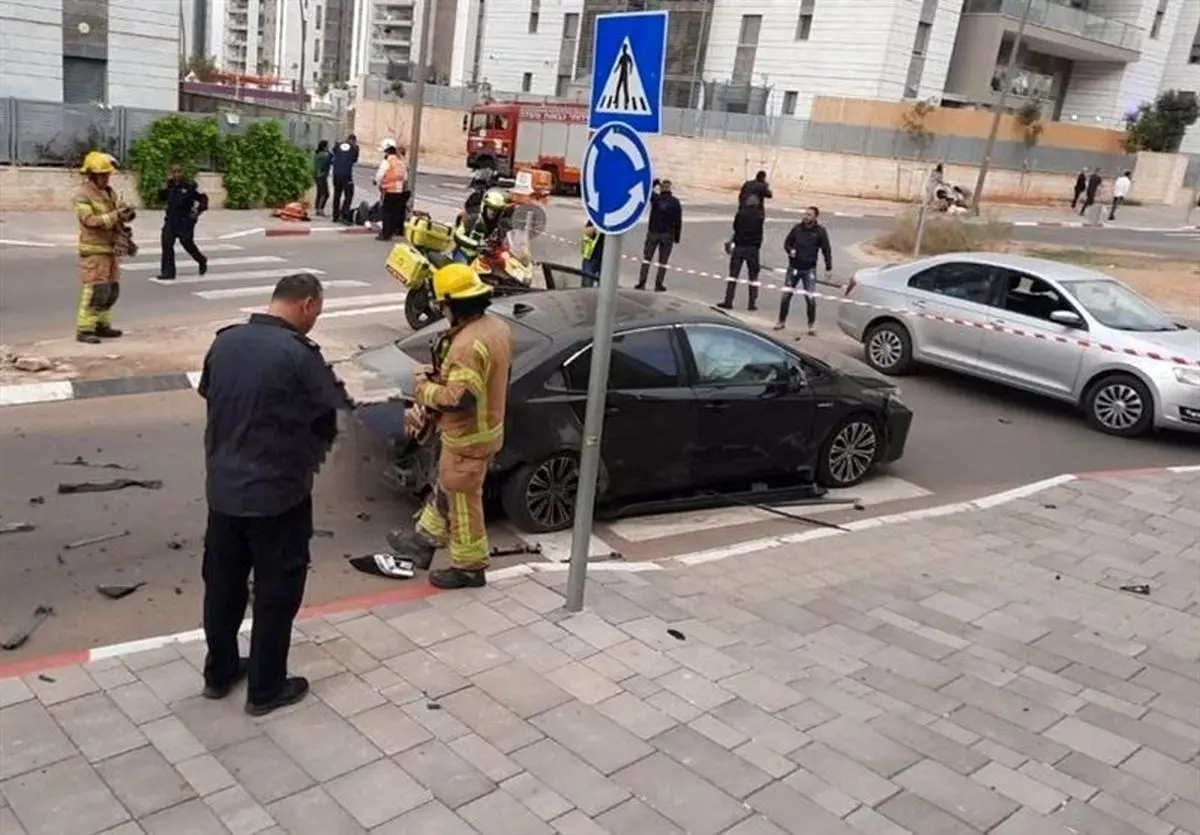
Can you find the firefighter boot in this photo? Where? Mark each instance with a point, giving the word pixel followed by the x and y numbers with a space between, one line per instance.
pixel 411 545
pixel 457 578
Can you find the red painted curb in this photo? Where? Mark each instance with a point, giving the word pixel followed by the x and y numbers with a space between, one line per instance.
pixel 36 665
pixel 286 231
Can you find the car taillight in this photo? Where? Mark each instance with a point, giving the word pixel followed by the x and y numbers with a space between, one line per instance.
pixel 850 285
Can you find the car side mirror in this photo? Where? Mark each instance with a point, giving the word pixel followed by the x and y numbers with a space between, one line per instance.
pixel 1067 318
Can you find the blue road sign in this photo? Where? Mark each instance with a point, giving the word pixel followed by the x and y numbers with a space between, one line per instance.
pixel 628 70
pixel 617 178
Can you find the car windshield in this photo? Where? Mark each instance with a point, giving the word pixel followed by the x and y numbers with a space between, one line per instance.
pixel 1116 306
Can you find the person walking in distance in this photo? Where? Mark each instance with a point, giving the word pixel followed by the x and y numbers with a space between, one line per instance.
pixel 101 219
pixel 322 161
pixel 758 189
pixel 345 157
pixel 272 404
pixel 1093 188
pixel 745 248
pixel 1120 191
pixel 183 203
pixel 392 179
pixel 1080 187
pixel 662 234
pixel 805 244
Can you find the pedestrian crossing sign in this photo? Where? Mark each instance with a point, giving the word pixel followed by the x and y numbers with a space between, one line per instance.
pixel 628 70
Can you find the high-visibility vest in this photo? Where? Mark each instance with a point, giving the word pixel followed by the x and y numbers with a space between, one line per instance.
pixel 393 177
pixel 588 244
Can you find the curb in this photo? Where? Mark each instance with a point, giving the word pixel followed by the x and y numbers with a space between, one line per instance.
pixel 298 231
pixel 59 391
pixel 422 591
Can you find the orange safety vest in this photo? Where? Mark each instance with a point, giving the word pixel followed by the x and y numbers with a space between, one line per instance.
pixel 393 178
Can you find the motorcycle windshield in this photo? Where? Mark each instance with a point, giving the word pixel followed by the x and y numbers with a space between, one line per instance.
pixel 517 241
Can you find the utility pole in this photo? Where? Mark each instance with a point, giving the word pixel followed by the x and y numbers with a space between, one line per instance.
pixel 1000 101
pixel 418 94
pixel 303 4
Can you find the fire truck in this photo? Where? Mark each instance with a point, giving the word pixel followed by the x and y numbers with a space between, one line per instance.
pixel 550 137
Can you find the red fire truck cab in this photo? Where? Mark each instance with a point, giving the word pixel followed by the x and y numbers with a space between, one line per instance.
pixel 549 137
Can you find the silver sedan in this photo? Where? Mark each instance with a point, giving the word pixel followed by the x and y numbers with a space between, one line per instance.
pixel 1055 329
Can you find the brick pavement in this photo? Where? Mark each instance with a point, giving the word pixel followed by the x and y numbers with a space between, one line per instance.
pixel 976 673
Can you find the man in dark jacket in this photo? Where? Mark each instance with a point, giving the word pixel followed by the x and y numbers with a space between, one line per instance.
pixel 183 203
pixel 758 189
pixel 662 233
pixel 345 157
pixel 744 248
pixel 1093 188
pixel 1080 187
pixel 272 404
pixel 807 241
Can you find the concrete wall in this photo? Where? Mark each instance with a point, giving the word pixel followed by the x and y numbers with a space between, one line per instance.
pixel 1158 178
pixel 31 48
pixel 143 54
pixel 39 189
pixel 1179 74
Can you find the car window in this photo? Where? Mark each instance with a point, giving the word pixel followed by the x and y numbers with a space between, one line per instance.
pixel 1116 306
pixel 1029 296
pixel 643 359
pixel 958 280
pixel 726 356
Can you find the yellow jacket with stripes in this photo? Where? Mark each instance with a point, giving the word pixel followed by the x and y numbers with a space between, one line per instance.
pixel 97 211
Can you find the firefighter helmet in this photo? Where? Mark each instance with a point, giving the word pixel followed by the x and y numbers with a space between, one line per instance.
pixel 458 281
pixel 387 144
pixel 495 199
pixel 98 162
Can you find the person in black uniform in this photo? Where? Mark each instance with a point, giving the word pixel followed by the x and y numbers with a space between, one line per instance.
pixel 345 157
pixel 272 405
pixel 662 234
pixel 183 203
pixel 745 248
pixel 758 189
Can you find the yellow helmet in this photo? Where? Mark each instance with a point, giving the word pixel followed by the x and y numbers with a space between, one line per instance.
pixel 98 162
pixel 494 198
pixel 458 281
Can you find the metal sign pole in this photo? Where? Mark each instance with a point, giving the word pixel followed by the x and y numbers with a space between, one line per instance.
pixel 593 422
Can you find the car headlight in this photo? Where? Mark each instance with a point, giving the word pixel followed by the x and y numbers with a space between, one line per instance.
pixel 1188 376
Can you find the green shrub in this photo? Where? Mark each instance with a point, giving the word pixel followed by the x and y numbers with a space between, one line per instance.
pixel 946 233
pixel 194 144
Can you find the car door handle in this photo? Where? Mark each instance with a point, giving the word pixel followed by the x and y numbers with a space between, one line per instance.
pixel 996 322
pixel 919 305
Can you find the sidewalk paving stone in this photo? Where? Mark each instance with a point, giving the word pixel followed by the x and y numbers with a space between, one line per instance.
pixel 970 674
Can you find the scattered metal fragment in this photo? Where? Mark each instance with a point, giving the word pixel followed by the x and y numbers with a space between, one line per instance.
pixel 37 500
pixel 18 638
pixel 432 706
pixel 15 527
pixel 676 634
pixel 175 544
pixel 363 516
pixel 83 543
pixel 80 461
pixel 322 533
pixel 106 486
pixel 514 550
pixel 46 678
pixel 1137 588
pixel 609 557
pixel 115 591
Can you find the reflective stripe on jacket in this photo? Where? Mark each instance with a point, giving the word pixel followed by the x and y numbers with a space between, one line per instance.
pixel 96 209
pixel 394 175
pixel 588 245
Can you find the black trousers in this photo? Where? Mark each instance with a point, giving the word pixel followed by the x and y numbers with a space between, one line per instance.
pixel 738 256
pixel 276 550
pixel 663 242
pixel 343 194
pixel 1075 199
pixel 1112 210
pixel 183 231
pixel 322 194
pixel 1089 200
pixel 391 214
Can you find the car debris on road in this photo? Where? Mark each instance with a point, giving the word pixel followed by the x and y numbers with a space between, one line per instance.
pixel 80 461
pixel 107 486
pixel 19 638
pixel 95 540
pixel 115 591
pixel 15 527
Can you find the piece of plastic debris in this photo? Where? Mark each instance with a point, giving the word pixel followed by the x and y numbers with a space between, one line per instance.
pixel 676 634
pixel 1137 588
pixel 80 461
pixel 115 591
pixel 385 565
pixel 106 486
pixel 175 544
pixel 21 636
pixel 322 533
pixel 37 500
pixel 15 527
pixel 83 543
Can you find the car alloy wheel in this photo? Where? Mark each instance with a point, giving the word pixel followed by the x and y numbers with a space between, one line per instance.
pixel 853 451
pixel 1118 406
pixel 885 349
pixel 550 493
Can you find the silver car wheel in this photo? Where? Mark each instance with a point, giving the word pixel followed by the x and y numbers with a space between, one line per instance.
pixel 853 452
pixel 885 348
pixel 1118 406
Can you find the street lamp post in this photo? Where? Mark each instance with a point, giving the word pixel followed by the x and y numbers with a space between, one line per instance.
pixel 418 104
pixel 303 4
pixel 990 147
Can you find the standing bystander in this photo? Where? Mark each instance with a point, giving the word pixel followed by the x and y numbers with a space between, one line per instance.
pixel 745 247
pixel 1120 191
pixel 662 234
pixel 805 244
pixel 345 157
pixel 322 161
pixel 1093 188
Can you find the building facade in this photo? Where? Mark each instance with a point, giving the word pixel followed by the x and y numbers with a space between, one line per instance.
pixel 112 52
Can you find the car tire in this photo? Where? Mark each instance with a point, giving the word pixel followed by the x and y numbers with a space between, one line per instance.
pixel 1120 405
pixel 849 451
pixel 418 308
pixel 888 348
pixel 540 497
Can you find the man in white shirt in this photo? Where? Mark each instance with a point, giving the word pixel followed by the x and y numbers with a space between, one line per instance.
pixel 1120 191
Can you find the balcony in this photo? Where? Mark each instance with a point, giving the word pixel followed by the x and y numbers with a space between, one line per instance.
pixel 393 36
pixel 1061 30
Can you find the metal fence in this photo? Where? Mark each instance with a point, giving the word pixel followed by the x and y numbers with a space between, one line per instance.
pixel 56 134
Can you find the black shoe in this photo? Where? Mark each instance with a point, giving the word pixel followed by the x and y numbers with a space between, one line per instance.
pixel 725 305
pixel 87 338
pixel 456 578
pixel 203 266
pixel 752 307
pixel 294 690
pixel 108 332
pixel 164 278
pixel 641 285
pixel 382 238
pixel 220 691
pixel 660 288
pixel 411 545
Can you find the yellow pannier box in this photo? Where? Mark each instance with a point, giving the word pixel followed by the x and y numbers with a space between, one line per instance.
pixel 407 265
pixel 427 233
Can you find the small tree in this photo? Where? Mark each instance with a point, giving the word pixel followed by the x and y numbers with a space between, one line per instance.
pixel 202 67
pixel 913 123
pixel 1029 117
pixel 1160 126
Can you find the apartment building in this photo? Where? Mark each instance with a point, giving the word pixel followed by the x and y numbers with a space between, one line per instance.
pixel 115 52
pixel 277 37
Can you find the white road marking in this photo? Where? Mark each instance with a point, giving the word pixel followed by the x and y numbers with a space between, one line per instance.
pixel 245 233
pixel 17 395
pixel 146 266
pixel 345 302
pixel 267 289
pixel 363 311
pixel 35 244
pixel 157 250
pixel 871 493
pixel 245 275
pixel 193 378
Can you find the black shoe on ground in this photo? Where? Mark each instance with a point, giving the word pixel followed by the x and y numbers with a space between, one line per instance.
pixel 752 307
pixel 382 238
pixel 220 691
pixel 456 578
pixel 294 690
pixel 203 266
pixel 725 305
pixel 639 286
pixel 87 338
pixel 660 288
pixel 411 545
pixel 164 278
pixel 109 332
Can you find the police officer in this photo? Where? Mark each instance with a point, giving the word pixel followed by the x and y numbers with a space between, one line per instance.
pixel 465 394
pixel 272 406
pixel 102 221
pixel 345 157
pixel 392 179
pixel 183 203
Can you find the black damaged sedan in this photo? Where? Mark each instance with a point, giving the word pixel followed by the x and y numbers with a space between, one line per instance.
pixel 698 406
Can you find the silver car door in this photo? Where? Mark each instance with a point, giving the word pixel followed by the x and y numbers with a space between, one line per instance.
pixel 948 306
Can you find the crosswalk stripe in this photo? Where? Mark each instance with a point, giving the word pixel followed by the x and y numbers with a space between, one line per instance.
pixel 146 266
pixel 363 311
pixel 348 301
pixel 157 250
pixel 266 289
pixel 245 275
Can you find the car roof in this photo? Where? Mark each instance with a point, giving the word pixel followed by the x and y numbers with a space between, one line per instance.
pixel 570 314
pixel 1056 270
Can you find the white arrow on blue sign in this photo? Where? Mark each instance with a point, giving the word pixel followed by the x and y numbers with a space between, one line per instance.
pixel 617 178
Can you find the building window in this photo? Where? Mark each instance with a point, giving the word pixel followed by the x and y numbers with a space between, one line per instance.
pixel 317 18
pixel 789 102
pixel 535 11
pixel 1159 15
pixel 526 82
pixel 804 23
pixel 747 49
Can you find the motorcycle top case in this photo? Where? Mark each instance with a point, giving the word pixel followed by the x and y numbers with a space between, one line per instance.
pixel 427 233
pixel 407 265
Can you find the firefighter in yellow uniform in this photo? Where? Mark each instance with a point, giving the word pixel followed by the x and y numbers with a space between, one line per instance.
pixel 465 393
pixel 101 233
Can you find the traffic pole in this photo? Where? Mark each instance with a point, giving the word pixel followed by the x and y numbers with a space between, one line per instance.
pixel 414 138
pixel 593 421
